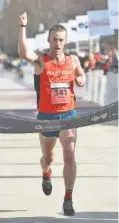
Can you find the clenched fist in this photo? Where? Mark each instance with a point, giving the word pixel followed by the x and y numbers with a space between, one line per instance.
pixel 80 81
pixel 23 19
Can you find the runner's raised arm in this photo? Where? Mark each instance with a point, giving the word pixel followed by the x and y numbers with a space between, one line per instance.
pixel 23 49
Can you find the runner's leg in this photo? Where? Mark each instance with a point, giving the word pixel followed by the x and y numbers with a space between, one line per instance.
pixel 68 141
pixel 47 147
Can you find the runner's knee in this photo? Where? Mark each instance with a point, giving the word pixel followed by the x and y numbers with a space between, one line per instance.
pixel 68 152
pixel 69 158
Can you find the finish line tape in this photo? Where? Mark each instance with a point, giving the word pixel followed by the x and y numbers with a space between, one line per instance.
pixel 11 124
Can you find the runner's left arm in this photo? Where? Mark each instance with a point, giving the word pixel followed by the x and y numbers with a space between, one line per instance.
pixel 80 77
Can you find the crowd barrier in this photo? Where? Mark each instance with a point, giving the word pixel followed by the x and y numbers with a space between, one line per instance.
pixel 99 88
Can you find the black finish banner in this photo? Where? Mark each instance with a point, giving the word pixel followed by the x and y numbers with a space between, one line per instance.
pixel 11 124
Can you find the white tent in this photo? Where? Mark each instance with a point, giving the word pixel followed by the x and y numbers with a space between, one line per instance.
pixel 31 43
pixel 74 28
pixel 66 25
pixel 41 41
pixel 72 24
pixel 82 24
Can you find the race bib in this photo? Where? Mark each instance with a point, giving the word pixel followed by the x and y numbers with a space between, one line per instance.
pixel 60 93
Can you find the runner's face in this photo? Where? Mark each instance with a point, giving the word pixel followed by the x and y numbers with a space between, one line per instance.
pixel 57 41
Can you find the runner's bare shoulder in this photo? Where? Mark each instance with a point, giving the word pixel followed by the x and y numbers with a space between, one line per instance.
pixel 75 60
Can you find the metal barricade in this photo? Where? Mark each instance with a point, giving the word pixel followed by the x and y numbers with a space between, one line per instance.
pixel 99 88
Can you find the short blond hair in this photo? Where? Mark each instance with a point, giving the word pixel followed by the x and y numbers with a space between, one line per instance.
pixel 57 28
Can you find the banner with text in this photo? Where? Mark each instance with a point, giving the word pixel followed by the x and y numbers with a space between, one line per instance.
pixel 113 13
pixel 99 23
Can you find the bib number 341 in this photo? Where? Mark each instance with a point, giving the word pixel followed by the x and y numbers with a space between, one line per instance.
pixel 60 95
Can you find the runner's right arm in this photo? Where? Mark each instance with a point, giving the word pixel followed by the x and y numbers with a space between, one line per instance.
pixel 23 48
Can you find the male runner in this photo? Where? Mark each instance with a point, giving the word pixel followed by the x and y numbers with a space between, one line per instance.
pixel 56 100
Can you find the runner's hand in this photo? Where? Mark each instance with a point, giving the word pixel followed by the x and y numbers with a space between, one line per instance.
pixel 23 19
pixel 80 81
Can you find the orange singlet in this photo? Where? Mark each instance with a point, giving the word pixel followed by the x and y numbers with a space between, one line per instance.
pixel 56 86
